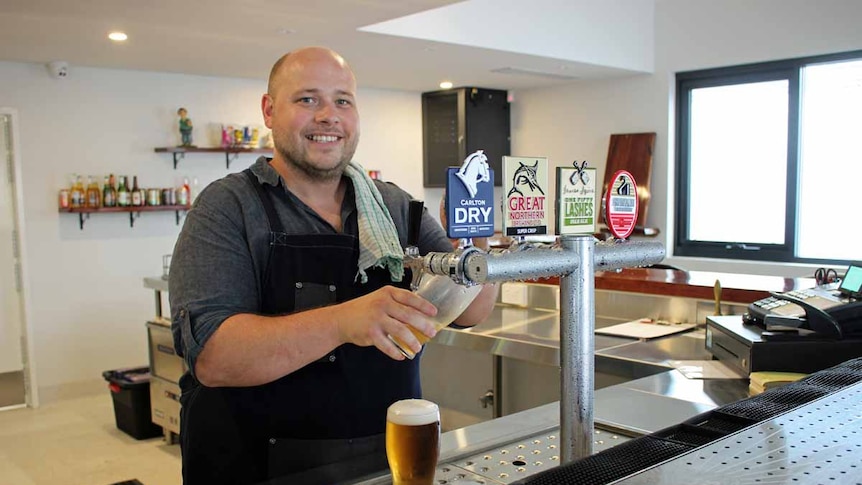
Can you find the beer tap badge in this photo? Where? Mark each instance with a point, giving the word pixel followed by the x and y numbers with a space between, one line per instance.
pixel 525 211
pixel 576 199
pixel 470 198
pixel 621 204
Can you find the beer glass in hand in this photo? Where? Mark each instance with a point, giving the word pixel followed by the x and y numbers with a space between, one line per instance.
pixel 413 441
pixel 450 298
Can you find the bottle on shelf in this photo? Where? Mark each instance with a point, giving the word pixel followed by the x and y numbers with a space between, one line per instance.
pixel 77 195
pixel 124 198
pixel 142 193
pixel 184 192
pixel 65 200
pixel 137 200
pixel 94 195
pixel 109 193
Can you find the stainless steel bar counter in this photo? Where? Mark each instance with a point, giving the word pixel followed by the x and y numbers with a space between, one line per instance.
pixel 518 445
pixel 512 447
pixel 515 446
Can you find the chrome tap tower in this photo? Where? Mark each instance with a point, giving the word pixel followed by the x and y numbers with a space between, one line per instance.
pixel 575 261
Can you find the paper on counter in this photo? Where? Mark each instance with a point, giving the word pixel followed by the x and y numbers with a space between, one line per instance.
pixel 641 330
pixel 705 369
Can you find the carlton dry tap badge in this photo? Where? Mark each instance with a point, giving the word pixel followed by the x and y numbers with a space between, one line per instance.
pixel 576 199
pixel 470 198
pixel 525 209
pixel 621 204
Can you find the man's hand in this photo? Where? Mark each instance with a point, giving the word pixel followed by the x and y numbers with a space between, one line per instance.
pixel 367 320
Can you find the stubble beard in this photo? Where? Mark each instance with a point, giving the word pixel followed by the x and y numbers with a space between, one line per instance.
pixel 297 158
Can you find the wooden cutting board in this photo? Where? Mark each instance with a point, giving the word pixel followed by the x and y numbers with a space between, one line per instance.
pixel 632 152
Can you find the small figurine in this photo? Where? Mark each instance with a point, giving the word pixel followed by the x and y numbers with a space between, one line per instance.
pixel 185 128
pixel 226 132
pixel 246 137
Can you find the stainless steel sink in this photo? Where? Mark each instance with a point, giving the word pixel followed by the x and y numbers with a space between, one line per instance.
pixel 511 362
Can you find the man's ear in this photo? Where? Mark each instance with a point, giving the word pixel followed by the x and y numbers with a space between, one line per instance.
pixel 266 106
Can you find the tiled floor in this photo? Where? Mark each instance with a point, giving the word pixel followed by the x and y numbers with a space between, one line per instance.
pixel 75 441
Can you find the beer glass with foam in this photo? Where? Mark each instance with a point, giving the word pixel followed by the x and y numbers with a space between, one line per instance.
pixel 450 298
pixel 413 441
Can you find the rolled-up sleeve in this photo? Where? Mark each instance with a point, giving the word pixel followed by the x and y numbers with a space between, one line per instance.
pixel 212 274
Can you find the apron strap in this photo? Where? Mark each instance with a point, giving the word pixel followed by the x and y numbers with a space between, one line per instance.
pixel 274 221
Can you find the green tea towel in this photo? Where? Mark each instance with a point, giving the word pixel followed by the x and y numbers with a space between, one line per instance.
pixel 378 239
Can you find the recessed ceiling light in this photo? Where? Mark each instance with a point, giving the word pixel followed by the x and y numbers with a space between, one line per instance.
pixel 118 36
pixel 285 31
pixel 446 85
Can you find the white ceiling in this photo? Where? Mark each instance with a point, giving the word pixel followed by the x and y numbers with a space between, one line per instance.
pixel 242 38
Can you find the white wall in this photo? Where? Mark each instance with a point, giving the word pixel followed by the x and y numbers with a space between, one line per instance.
pixel 574 122
pixel 89 306
pixel 88 302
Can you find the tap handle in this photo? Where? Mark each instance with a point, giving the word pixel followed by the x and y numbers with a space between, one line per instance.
pixel 414 222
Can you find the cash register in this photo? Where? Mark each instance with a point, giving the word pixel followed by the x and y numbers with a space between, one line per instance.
pixel 797 331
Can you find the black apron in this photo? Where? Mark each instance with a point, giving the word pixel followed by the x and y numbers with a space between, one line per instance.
pixel 323 423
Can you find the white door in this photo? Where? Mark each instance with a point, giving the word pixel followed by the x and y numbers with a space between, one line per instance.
pixel 11 303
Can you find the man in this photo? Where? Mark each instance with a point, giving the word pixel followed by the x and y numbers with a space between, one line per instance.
pixel 286 338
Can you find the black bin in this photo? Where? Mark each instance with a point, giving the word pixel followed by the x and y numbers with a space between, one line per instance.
pixel 130 390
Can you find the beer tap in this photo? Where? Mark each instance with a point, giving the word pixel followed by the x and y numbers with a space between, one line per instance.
pixel 575 261
pixel 446 264
pixel 412 259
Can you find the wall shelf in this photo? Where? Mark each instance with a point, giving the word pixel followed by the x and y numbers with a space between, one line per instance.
pixel 134 211
pixel 230 153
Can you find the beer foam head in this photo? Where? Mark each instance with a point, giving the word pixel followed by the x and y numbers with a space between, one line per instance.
pixel 413 412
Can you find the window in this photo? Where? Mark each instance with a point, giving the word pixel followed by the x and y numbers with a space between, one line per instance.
pixel 767 168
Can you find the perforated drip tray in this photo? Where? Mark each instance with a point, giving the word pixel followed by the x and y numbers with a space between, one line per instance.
pixel 818 443
pixel 516 460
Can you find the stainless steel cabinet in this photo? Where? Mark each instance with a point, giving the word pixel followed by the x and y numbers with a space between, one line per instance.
pixel 166 367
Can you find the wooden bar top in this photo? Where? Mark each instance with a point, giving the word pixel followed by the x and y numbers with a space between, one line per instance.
pixel 738 288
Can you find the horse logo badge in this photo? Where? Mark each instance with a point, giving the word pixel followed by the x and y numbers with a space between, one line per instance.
pixel 474 170
pixel 470 198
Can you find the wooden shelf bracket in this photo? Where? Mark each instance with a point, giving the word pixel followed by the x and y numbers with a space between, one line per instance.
pixel 229 157
pixel 177 157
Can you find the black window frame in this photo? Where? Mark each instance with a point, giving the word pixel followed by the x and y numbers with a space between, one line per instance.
pixel 788 69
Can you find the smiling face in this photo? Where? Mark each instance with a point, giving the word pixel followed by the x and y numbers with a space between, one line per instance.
pixel 311 109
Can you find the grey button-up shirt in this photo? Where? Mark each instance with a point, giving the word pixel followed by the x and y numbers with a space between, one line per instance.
pixel 222 252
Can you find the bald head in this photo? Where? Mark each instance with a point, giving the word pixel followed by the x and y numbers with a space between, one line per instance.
pixel 311 108
pixel 300 58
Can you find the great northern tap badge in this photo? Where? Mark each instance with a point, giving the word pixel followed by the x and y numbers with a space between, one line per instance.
pixel 470 198
pixel 525 181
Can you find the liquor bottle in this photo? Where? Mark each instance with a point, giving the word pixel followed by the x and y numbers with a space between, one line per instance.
pixel 65 199
pixel 183 193
pixel 77 194
pixel 94 195
pixel 109 194
pixel 114 194
pixel 188 190
pixel 137 200
pixel 123 196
